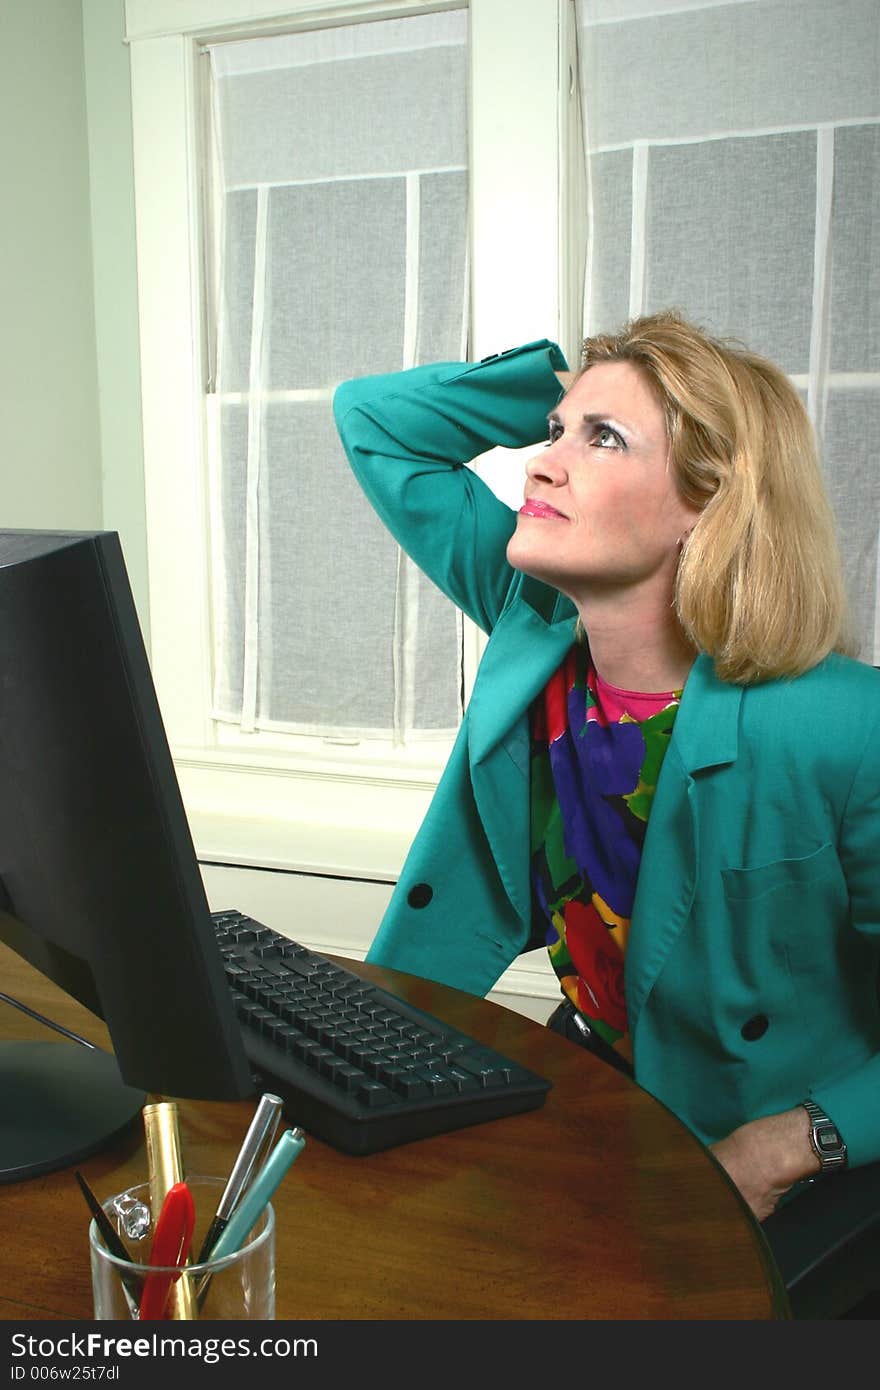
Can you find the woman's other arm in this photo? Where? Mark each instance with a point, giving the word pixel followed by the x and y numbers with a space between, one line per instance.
pixel 767 1156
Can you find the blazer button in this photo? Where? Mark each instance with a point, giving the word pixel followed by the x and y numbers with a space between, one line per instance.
pixel 755 1028
pixel 420 895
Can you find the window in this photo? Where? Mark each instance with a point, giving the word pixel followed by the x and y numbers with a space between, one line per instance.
pixel 341 210
pixel 274 770
pixel 734 155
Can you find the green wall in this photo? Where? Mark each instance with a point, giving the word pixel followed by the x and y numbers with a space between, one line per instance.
pixel 49 437
pixel 71 454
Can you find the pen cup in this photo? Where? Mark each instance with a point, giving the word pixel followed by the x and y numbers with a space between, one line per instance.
pixel 240 1285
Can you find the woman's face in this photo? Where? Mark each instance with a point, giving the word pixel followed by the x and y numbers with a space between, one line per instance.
pixel 602 513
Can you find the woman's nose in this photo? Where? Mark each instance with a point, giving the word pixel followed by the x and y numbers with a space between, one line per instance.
pixel 547 466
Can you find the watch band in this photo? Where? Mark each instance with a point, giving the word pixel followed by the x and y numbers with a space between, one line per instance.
pixel 825 1139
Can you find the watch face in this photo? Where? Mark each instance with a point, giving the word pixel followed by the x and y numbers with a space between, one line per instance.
pixel 825 1139
pixel 828 1139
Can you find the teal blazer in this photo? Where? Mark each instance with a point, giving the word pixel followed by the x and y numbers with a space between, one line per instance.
pixel 751 972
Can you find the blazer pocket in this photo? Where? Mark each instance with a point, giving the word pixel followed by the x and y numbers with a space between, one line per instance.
pixel 747 885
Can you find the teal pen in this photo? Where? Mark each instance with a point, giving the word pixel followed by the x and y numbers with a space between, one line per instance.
pixel 255 1200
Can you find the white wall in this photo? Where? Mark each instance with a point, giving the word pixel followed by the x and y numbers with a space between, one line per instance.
pixel 111 184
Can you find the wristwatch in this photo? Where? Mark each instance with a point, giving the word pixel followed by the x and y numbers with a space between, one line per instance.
pixel 825 1138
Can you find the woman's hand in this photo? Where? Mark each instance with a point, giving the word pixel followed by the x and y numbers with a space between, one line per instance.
pixel 765 1157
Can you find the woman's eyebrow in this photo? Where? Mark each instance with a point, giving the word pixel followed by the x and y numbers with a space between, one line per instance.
pixel 591 418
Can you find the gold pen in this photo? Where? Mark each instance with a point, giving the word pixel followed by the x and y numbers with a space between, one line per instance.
pixel 165 1168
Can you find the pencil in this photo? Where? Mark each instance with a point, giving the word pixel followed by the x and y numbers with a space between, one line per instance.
pixel 110 1237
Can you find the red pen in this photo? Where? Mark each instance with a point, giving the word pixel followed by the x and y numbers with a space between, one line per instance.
pixel 171 1242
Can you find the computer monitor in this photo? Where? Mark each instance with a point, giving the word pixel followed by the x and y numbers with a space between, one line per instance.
pixel 99 881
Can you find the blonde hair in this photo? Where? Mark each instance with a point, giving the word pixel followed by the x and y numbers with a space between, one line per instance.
pixel 759 585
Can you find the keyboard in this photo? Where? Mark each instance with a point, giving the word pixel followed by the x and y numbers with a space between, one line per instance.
pixel 357 1066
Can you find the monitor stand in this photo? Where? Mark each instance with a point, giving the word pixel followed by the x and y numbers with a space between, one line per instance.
pixel 61 1103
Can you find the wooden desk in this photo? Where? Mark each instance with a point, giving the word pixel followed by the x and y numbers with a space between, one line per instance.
pixel 600 1205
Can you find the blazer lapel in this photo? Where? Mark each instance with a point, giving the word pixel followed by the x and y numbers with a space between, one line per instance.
pixel 705 735
pixel 527 646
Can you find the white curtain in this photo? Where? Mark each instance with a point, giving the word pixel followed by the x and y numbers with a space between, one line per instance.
pixel 733 155
pixel 340 219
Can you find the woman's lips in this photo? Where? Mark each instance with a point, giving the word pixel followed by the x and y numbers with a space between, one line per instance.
pixel 541 510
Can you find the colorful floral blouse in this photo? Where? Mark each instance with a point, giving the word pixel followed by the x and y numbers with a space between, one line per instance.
pixel 596 755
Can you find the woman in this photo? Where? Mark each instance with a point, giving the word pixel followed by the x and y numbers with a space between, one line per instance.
pixel 668 769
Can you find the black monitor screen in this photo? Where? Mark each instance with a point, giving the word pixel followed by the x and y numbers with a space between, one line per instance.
pixel 98 873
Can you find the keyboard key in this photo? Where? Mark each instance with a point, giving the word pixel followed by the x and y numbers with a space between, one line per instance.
pixel 410 1085
pixel 281 1033
pixel 330 1065
pixel 297 965
pixel 347 1077
pixel 373 1093
pixel 488 1073
pixel 331 1034
pixel 392 1074
pixel 269 998
pixel 463 1080
pixel 373 1062
pixel 438 1082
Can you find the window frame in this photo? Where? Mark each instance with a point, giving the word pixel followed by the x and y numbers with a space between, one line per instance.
pixel 293 805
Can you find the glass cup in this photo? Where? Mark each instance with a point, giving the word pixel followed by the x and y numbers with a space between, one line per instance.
pixel 237 1286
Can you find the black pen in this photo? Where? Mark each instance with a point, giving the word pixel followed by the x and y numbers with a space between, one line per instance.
pixel 260 1134
pixel 110 1236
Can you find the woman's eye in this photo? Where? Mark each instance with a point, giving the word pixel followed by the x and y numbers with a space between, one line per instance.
pixel 607 438
pixel 554 433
